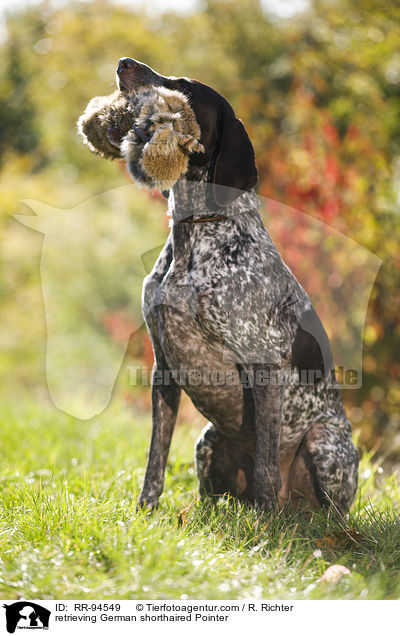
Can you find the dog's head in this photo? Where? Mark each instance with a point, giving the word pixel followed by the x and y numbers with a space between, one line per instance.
pixel 229 155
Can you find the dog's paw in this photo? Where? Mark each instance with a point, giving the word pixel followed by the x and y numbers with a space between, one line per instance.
pixel 147 502
pixel 265 503
pixel 267 484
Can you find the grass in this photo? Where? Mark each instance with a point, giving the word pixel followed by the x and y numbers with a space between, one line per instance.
pixel 69 527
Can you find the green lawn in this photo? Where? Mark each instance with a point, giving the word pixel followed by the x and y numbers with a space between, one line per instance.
pixel 69 527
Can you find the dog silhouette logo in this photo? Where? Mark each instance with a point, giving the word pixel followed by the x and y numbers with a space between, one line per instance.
pixel 26 615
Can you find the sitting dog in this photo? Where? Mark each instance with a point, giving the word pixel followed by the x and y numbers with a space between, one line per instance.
pixel 222 307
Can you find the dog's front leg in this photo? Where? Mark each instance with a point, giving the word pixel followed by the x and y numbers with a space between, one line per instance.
pixel 267 396
pixel 165 402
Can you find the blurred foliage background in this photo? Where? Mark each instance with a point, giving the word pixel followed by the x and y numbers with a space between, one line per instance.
pixel 320 96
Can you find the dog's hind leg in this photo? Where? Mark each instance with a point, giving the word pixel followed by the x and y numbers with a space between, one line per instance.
pixel 325 468
pixel 223 466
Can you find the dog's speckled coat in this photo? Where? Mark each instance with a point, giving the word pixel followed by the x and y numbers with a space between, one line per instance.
pixel 221 301
pixel 218 289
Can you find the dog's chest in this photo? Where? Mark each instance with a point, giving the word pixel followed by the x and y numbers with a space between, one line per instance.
pixel 187 300
pixel 179 317
pixel 214 290
pixel 174 316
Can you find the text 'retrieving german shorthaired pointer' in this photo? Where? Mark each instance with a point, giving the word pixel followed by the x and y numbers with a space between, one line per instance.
pixel 221 303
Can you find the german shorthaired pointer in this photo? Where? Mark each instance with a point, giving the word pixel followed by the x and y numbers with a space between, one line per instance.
pixel 231 325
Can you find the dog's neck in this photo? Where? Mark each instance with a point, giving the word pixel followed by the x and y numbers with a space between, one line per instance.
pixel 193 199
pixel 189 201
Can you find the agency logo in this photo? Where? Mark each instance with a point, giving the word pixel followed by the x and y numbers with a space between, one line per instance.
pixel 26 615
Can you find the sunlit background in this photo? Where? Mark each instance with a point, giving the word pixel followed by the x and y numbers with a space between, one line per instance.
pixel 318 87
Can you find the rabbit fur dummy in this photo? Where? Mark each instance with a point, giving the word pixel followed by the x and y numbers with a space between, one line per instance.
pixel 158 131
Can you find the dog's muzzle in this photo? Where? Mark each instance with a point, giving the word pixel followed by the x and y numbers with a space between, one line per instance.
pixel 124 72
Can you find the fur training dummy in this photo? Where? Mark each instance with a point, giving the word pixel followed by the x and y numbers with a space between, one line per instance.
pixel 159 131
pixel 100 114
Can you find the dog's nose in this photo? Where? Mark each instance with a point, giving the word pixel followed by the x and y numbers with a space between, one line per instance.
pixel 124 63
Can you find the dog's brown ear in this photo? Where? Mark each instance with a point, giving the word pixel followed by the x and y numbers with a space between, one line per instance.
pixel 235 166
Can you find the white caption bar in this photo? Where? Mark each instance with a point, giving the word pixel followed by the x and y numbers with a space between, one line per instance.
pixel 147 617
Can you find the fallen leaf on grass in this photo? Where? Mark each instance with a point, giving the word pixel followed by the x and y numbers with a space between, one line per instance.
pixel 334 573
pixel 340 539
pixel 183 515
